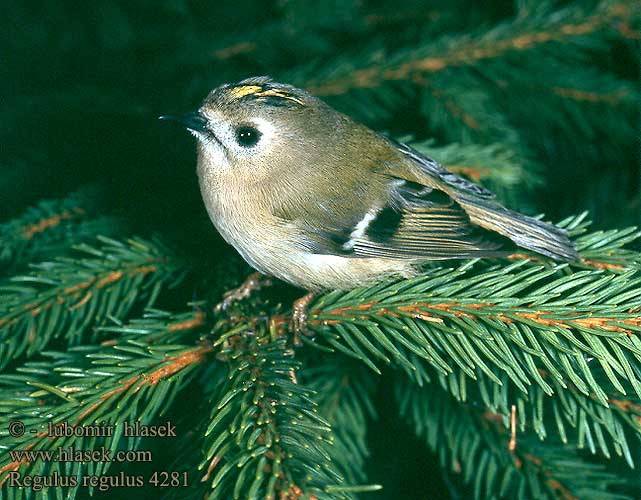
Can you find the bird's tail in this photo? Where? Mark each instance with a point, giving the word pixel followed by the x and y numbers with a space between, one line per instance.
pixel 526 232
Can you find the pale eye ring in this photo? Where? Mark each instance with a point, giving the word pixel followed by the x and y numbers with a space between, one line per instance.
pixel 247 136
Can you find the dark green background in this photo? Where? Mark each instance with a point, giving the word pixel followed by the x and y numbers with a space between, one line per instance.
pixel 83 84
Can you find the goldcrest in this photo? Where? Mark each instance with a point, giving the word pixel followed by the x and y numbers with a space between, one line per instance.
pixel 308 195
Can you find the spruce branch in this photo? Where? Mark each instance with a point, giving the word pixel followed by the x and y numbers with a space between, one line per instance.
pixel 576 419
pixel 496 166
pixel 344 394
pixel 67 297
pixel 479 88
pixel 494 463
pixel 266 438
pixel 607 249
pixel 516 319
pixel 51 227
pixel 88 385
pixel 613 97
pixel 464 110
pixel 585 86
pixel 570 25
pixel 496 360
pixel 580 106
pixel 157 325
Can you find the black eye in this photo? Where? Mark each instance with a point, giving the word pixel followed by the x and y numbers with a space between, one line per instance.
pixel 247 136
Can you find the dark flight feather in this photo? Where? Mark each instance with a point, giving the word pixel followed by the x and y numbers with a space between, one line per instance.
pixel 423 223
pixel 438 215
pixel 438 172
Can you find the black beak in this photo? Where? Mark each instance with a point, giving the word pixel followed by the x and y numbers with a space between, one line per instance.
pixel 191 121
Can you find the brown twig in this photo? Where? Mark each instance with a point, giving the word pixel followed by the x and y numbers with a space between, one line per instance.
pixel 31 230
pixel 468 54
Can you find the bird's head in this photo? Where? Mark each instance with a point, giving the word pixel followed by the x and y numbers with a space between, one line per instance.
pixel 258 128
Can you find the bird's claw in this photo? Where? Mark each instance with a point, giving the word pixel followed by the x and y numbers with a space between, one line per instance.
pixel 299 317
pixel 254 281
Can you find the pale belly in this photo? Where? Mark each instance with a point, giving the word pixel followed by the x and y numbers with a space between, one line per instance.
pixel 242 213
pixel 278 250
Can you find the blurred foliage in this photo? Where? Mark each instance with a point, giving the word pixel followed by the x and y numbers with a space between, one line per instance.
pixel 539 101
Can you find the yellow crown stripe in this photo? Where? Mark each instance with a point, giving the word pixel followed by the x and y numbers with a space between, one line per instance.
pixel 238 92
pixel 279 93
pixel 258 91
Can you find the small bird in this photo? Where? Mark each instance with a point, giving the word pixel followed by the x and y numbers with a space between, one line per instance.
pixel 307 195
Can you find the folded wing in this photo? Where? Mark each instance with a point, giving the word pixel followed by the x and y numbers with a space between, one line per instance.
pixel 429 213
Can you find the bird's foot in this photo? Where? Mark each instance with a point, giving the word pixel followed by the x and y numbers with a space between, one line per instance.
pixel 299 316
pixel 254 281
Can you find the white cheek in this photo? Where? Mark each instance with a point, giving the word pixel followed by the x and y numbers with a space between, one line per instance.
pixel 226 134
pixel 214 153
pixel 267 130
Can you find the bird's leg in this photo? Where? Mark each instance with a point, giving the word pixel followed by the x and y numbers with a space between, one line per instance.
pixel 299 315
pixel 255 281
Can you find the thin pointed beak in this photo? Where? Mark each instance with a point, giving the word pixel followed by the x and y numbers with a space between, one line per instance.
pixel 191 121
